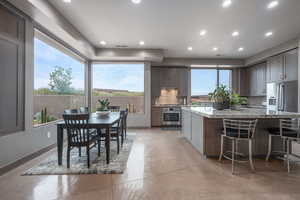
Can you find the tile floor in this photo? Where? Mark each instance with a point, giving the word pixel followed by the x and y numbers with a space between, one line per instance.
pixel 161 166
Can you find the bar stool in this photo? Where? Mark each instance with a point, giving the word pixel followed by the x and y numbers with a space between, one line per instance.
pixel 238 130
pixel 274 133
pixel 289 131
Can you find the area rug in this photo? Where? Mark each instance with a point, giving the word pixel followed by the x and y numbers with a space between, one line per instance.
pixel 78 165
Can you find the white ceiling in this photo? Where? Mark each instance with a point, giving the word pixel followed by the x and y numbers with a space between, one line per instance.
pixel 173 25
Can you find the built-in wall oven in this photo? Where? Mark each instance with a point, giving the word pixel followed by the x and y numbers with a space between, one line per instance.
pixel 171 116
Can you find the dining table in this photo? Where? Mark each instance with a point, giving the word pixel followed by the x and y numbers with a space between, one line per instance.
pixel 95 122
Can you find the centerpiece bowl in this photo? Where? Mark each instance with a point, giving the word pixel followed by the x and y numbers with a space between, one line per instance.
pixel 102 113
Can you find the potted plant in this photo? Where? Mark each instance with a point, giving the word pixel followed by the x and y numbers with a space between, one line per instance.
pixel 237 101
pixel 102 110
pixel 220 98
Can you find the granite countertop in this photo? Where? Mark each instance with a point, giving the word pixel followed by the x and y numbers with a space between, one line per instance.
pixel 246 113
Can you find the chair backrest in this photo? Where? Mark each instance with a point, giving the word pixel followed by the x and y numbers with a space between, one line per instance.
pixel 70 111
pixel 114 108
pixel 240 127
pixel 84 109
pixel 77 129
pixel 289 126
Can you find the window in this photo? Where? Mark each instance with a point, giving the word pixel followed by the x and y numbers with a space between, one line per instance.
pixel 225 78
pixel 204 81
pixel 58 82
pixel 122 84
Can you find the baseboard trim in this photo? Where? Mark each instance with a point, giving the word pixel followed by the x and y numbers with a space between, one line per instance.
pixel 11 166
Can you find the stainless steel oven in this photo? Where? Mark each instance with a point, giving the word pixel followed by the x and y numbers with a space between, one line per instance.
pixel 171 116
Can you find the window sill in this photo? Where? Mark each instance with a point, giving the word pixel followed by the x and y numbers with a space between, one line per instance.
pixel 46 124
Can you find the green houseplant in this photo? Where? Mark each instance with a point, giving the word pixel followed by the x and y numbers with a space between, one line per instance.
pixel 103 110
pixel 237 101
pixel 220 97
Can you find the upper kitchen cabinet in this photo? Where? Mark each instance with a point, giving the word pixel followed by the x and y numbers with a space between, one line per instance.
pixel 261 70
pixel 168 77
pixel 291 65
pixel 275 69
pixel 155 82
pixel 283 67
pixel 253 80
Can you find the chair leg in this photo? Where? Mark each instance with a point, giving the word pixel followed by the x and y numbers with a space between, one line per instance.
pixel 99 147
pixel 221 152
pixel 68 156
pixel 269 148
pixel 250 155
pixel 232 158
pixel 288 155
pixel 79 150
pixel 88 156
pixel 118 144
pixel 122 138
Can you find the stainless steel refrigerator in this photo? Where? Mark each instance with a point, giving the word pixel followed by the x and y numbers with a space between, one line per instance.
pixel 283 96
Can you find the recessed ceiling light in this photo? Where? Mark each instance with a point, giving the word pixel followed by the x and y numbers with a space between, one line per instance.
pixel 190 48
pixel 142 43
pixel 215 49
pixel 67 1
pixel 273 4
pixel 103 43
pixel 203 32
pixel 241 49
pixel 235 33
pixel 226 3
pixel 268 34
pixel 136 1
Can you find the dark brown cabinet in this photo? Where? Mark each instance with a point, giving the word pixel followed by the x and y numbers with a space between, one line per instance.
pixel 291 65
pixel 156 116
pixel 167 77
pixel 253 80
pixel 283 67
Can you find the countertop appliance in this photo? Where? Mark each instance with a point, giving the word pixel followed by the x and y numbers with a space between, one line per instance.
pixel 171 116
pixel 282 96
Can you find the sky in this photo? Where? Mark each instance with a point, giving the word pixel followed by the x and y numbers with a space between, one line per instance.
pixel 46 58
pixel 105 76
pixel 204 81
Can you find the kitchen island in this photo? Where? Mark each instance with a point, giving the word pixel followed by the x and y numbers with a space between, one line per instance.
pixel 202 126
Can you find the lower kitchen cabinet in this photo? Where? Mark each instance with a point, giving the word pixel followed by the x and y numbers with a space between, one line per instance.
pixel 192 129
pixel 156 116
pixel 197 132
pixel 186 124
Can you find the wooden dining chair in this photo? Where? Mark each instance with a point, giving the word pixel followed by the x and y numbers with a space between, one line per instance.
pixel 84 109
pixel 79 135
pixel 70 111
pixel 115 133
pixel 114 108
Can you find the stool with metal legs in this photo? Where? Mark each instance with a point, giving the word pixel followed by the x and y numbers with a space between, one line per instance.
pixel 289 131
pixel 238 130
pixel 275 133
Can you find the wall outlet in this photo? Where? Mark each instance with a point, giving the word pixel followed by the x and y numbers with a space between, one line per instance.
pixel 49 134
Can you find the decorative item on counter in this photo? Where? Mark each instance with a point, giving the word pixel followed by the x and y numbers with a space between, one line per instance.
pixel 237 101
pixel 102 110
pixel 220 98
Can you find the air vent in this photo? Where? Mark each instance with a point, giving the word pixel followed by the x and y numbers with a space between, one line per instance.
pixel 121 46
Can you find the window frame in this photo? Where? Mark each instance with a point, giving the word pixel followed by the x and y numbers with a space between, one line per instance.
pixel 118 62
